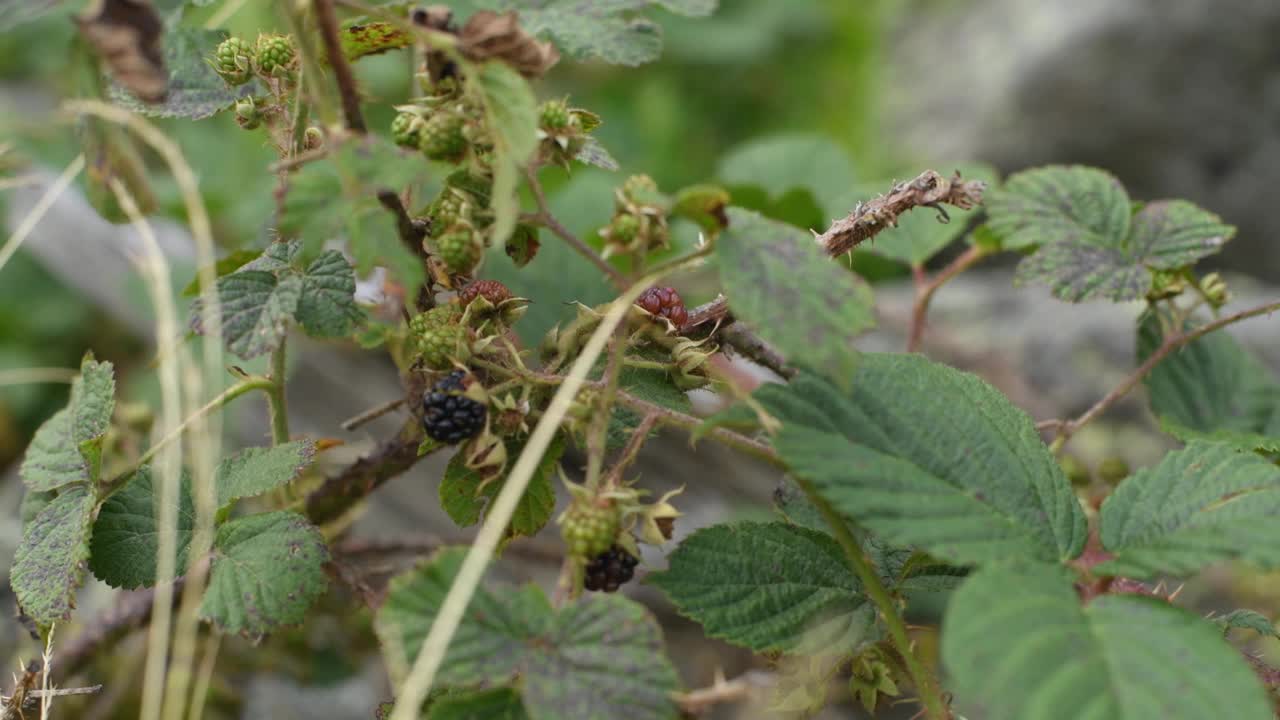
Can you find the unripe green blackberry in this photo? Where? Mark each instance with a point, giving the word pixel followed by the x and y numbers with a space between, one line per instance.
pixel 233 59
pixel 275 55
pixel 589 529
pixel 442 138
pixel 248 113
pixel 406 129
pixel 638 187
pixel 554 115
pixel 624 229
pixel 460 249
pixel 449 209
pixel 439 338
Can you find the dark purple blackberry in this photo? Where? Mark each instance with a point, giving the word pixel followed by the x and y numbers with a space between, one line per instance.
pixel 449 416
pixel 610 570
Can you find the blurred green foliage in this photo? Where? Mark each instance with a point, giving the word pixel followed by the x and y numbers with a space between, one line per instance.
pixel 756 68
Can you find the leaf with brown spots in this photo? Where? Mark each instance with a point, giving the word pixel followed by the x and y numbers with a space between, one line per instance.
pixel 267 571
pixel 372 38
pixel 781 284
pixel 51 559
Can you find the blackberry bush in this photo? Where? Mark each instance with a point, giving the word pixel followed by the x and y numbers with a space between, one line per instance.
pixel 1039 570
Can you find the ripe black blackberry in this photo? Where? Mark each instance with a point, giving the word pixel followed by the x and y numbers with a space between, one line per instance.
pixel 448 415
pixel 610 570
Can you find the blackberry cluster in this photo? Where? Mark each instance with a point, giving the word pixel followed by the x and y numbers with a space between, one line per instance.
pixel 449 416
pixel 275 55
pixel 664 302
pixel 610 570
pixel 233 60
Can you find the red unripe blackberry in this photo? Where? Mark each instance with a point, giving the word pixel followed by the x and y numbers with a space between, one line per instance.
pixel 610 570
pixel 491 290
pixel 448 415
pixel 664 302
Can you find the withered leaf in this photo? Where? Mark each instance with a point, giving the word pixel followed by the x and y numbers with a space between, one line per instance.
pixel 489 35
pixel 126 34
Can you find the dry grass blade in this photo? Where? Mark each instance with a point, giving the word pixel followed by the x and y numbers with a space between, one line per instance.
pixel 38 210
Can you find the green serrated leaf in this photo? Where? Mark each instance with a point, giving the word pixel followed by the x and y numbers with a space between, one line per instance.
pixel 1211 389
pixel 364 39
pixel 1247 620
pixel 1202 504
pixel 1090 247
pixel 598 658
pixel 1059 204
pixel 771 587
pixel 925 455
pixel 49 564
pixel 257 308
pixel 327 307
pixel 464 496
pixel 781 284
pixel 257 470
pixel 499 704
pixel 780 164
pixel 512 114
pixel 647 384
pixel 1020 646
pixel 605 31
pixel 67 447
pixel 267 570
pixel 126 535
pixel 196 91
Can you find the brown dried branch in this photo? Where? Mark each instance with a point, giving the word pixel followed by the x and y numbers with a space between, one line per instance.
pixel 340 493
pixel 928 189
pixel 131 611
pixel 23 691
pixel 328 22
pixel 411 231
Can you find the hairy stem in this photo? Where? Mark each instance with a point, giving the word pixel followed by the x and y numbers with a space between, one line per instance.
pixel 927 687
pixel 276 402
pixel 1067 428
pixel 350 94
pixel 549 221
pixel 926 288
pixel 597 433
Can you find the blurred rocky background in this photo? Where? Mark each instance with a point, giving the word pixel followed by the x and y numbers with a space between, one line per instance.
pixel 1176 97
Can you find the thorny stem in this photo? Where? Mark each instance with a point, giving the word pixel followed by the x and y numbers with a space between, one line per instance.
pixel 632 450
pixel 675 418
pixel 930 694
pixel 1067 428
pixel 276 402
pixel 341 68
pixel 926 288
pixel 545 218
pixel 372 413
pixel 599 429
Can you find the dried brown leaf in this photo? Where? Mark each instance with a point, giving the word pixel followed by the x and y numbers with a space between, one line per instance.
pixel 126 34
pixel 490 35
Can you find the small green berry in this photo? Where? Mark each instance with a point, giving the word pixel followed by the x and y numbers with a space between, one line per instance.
pixel 276 55
pixel 460 249
pixel 554 115
pixel 639 188
pixel 406 129
pixel 248 113
pixel 442 138
pixel 233 59
pixel 439 337
pixel 1112 470
pixel 589 529
pixel 449 209
pixel 624 229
